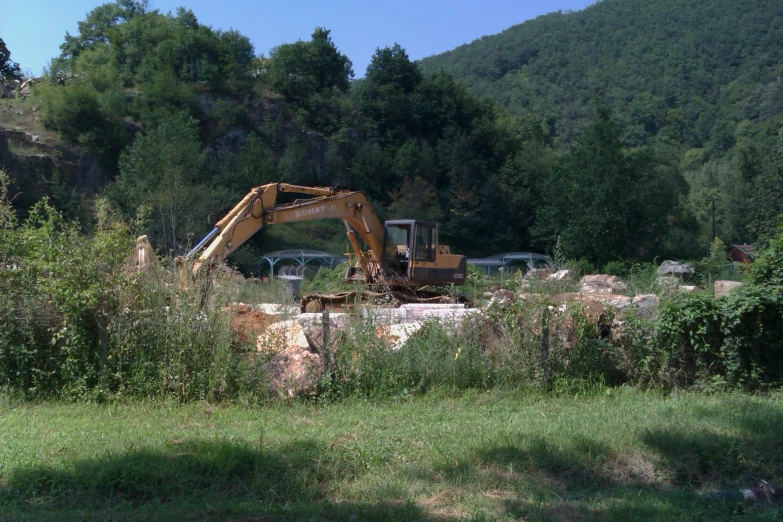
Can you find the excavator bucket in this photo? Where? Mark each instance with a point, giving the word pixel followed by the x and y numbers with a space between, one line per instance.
pixel 143 255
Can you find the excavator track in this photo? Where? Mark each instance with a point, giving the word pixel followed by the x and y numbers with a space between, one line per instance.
pixel 343 301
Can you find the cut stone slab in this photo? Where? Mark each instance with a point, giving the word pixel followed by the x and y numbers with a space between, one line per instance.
pixel 434 306
pixel 602 284
pixel 385 315
pixel 315 319
pixel 281 335
pixel 724 288
pixel 669 267
pixel 396 335
pixel 559 275
pixel 448 313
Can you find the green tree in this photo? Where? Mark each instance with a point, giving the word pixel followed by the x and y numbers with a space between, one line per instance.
pixel 371 173
pixel 97 29
pixel 163 179
pixel 386 92
pixel 303 69
pixel 766 203
pixel 606 203
pixel 8 69
pixel 78 113
pixel 391 66
pixel 416 199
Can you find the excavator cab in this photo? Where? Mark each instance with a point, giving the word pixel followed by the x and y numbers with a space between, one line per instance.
pixel 398 245
pixel 412 254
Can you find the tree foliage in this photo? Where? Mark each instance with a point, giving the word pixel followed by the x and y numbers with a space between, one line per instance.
pixel 303 69
pixel 679 127
pixel 697 81
pixel 162 180
pixel 605 202
pixel 8 68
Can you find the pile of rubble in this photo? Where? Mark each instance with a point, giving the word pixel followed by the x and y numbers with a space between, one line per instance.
pixel 294 340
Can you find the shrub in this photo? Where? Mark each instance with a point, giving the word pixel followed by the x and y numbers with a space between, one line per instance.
pixel 76 112
pixel 59 292
pixel 77 323
pixel 738 337
pixel 501 348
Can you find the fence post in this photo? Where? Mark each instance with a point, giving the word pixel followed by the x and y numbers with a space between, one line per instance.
pixel 545 345
pixel 325 351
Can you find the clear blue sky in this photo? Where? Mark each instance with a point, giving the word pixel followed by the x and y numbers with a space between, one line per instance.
pixel 34 29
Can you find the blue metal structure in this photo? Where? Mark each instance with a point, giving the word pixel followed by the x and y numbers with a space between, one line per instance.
pixel 503 261
pixel 303 257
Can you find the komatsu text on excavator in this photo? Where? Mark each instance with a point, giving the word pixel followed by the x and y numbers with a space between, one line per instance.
pixel 399 259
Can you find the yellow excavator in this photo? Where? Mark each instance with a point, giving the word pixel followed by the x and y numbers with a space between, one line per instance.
pixel 398 261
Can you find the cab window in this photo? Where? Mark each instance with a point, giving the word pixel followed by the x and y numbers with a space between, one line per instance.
pixel 397 241
pixel 424 246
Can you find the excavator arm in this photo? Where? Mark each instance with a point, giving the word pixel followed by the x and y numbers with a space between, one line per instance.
pixel 258 208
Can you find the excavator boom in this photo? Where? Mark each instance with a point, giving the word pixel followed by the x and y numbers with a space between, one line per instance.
pixel 412 258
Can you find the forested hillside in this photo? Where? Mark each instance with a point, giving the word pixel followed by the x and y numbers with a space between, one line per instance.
pixel 699 78
pixel 609 130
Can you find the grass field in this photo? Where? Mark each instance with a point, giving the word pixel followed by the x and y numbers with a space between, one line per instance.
pixel 618 455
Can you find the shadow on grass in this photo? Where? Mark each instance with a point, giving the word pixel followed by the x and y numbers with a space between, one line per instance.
pixel 742 446
pixel 195 480
pixel 519 476
pixel 581 480
pixel 551 478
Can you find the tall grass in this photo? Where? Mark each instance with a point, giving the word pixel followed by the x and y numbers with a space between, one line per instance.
pixel 78 323
pixel 499 348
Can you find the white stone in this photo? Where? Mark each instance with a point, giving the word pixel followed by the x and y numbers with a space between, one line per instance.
pixel 559 275
pixel 724 288
pixel 281 335
pixel 396 335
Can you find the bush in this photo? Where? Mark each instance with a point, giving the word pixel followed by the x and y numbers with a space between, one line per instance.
pixel 618 268
pixel 59 290
pixel 767 268
pixel 78 323
pixel 738 337
pixel 77 113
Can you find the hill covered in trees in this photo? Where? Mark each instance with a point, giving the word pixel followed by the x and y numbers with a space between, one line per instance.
pixel 699 78
pixel 187 118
